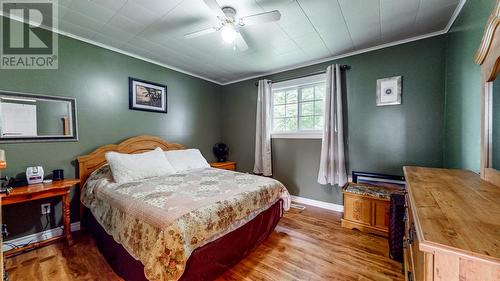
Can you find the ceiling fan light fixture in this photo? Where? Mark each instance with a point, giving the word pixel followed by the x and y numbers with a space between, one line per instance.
pixel 228 34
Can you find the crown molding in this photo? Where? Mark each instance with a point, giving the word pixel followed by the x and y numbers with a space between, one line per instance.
pixel 378 47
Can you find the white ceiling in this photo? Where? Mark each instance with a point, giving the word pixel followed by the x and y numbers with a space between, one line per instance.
pixel 309 31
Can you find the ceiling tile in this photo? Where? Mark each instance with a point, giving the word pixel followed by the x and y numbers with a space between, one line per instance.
pixel 433 18
pixel 137 13
pixel 108 4
pixel 81 20
pixel 188 16
pixel 327 18
pixel 397 17
pixel 157 7
pixel 92 10
pixel 363 21
pixel 293 20
pixel 122 23
pixel 116 34
pixel 76 29
pixel 64 3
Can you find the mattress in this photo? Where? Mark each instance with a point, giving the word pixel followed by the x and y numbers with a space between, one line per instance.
pixel 160 221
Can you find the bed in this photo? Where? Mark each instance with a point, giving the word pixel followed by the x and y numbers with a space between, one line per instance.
pixel 192 225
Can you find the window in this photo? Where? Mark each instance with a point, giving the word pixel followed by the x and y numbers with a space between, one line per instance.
pixel 297 107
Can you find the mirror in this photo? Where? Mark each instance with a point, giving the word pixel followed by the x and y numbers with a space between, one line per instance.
pixel 31 118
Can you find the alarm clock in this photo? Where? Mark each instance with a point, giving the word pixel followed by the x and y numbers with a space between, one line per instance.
pixel 34 174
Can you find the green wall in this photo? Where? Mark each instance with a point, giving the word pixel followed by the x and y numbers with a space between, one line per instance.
pixel 463 100
pixel 495 149
pixel 98 79
pixel 380 139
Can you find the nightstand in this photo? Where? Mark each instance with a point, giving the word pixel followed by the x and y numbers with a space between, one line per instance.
pixel 33 192
pixel 228 165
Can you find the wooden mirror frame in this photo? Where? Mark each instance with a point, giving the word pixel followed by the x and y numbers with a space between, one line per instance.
pixel 488 57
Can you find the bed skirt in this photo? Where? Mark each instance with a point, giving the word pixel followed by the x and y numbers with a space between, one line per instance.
pixel 205 263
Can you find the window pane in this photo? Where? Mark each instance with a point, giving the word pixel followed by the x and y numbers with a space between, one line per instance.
pixel 291 110
pixel 279 111
pixel 307 123
pixel 307 94
pixel 291 124
pixel 291 96
pixel 319 92
pixel 307 108
pixel 279 97
pixel 318 122
pixel 318 107
pixel 279 124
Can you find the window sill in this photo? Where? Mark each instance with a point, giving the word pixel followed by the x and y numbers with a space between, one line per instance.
pixel 311 135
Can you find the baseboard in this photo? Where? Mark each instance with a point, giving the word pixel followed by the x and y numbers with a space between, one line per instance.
pixel 319 204
pixel 38 237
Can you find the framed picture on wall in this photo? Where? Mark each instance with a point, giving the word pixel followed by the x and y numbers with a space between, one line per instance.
pixel 389 91
pixel 147 96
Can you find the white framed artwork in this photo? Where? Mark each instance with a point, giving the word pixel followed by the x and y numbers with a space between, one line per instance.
pixel 389 91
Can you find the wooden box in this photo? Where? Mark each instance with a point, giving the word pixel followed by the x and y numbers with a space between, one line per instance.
pixel 366 208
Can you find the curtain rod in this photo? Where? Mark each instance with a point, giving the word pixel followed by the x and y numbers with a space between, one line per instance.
pixel 342 67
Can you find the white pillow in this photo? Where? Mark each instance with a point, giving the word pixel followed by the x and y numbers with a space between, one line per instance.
pixel 132 167
pixel 186 159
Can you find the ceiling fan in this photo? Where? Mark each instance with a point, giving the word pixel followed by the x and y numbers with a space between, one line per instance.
pixel 230 25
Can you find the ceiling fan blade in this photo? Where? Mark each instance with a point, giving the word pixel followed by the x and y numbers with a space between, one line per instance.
pixel 241 43
pixel 261 18
pixel 214 6
pixel 200 32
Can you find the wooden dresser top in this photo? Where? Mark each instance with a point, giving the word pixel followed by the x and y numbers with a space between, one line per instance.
pixel 455 210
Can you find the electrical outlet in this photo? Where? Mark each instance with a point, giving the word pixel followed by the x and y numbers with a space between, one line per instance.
pixel 45 208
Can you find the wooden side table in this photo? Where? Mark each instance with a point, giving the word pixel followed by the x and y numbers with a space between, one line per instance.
pixel 228 165
pixel 39 191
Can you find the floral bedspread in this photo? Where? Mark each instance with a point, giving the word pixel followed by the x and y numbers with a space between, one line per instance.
pixel 161 221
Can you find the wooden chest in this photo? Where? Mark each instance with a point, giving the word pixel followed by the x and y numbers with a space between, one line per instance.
pixel 366 208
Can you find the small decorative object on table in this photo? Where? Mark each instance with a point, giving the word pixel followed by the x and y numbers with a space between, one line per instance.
pixel 228 165
pixel 221 151
pixel 147 96
pixel 389 91
pixel 58 175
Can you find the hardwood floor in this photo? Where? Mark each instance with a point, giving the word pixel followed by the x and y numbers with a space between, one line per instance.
pixel 307 245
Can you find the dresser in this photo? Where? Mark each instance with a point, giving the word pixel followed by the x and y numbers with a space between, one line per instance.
pixel 452 226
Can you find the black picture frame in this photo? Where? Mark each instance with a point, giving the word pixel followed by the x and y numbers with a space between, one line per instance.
pixel 160 106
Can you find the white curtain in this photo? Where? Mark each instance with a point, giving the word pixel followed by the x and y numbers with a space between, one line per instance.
pixel 263 162
pixel 332 163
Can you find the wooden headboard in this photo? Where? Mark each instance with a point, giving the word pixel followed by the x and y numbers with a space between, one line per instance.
pixel 90 162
